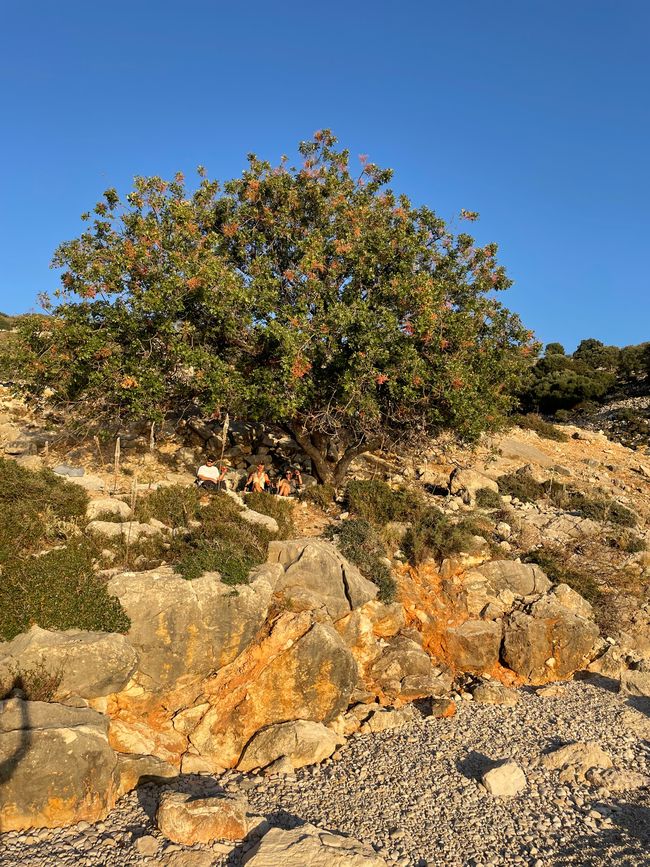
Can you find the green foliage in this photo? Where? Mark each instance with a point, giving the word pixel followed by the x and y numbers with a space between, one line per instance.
pixel 522 486
pixel 627 542
pixel 553 561
pixel 275 507
pixel 175 505
pixel 434 535
pixel 36 507
pixel 57 590
pixel 320 495
pixel 37 683
pixel 6 322
pixel 361 544
pixel 532 421
pixel 378 503
pixel 313 297
pixel 486 498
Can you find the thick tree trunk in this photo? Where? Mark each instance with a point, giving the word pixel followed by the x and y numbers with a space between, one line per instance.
pixel 316 447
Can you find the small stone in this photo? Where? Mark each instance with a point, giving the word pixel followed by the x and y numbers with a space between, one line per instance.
pixel 505 780
pixel 147 845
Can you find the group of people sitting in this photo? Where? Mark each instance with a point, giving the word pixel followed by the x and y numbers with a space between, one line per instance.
pixel 212 477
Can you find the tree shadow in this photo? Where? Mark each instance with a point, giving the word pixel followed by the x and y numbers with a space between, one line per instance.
pixel 18 735
pixel 630 837
pixel 610 684
pixel 474 764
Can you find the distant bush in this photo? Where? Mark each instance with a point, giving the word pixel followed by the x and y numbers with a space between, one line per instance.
pixel 553 562
pixel 534 422
pixel 274 507
pixel 378 503
pixel 432 534
pixel 35 506
pixel 599 508
pixel 627 542
pixel 320 495
pixel 486 498
pixel 360 543
pixel 175 505
pixel 58 590
pixel 522 486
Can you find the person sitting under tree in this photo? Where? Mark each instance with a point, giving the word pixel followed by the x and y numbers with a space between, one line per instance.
pixel 290 482
pixel 210 476
pixel 258 480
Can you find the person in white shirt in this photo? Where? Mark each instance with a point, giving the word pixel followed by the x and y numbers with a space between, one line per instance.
pixel 209 475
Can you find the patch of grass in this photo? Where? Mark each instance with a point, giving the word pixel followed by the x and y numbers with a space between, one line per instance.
pixel 275 507
pixel 628 543
pixel 522 486
pixel 378 503
pixel 58 590
pixel 320 495
pixel 36 506
pixel 434 535
pixel 174 505
pixel 553 561
pixel 486 498
pixel 599 508
pixel 38 683
pixel 532 421
pixel 361 544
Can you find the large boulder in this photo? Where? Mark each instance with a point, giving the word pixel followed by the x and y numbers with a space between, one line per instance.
pixel 301 671
pixel 187 820
pixel 547 641
pixel 468 482
pixel 316 575
pixel 85 664
pixel 56 765
pixel 108 506
pixel 309 845
pixel 474 645
pixel 404 669
pixel 523 579
pixel 303 742
pixel 181 627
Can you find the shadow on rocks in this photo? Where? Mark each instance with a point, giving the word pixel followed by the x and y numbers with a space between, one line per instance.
pixel 475 764
pixel 610 684
pixel 625 845
pixel 248 846
pixel 189 784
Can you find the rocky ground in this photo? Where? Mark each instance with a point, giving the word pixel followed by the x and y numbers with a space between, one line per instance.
pixel 415 795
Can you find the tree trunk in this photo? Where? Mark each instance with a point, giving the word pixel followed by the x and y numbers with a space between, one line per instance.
pixel 315 447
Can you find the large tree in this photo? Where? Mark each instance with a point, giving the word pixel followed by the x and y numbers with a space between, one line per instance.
pixel 310 297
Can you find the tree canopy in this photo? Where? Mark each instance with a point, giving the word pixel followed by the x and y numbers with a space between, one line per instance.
pixel 311 297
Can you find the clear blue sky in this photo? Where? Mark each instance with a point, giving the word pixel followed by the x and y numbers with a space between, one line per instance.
pixel 534 112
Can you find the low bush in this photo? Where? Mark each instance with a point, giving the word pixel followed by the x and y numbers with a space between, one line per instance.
pixel 534 422
pixel 276 507
pixel 360 543
pixel 432 534
pixel 36 506
pixel 378 503
pixel 628 543
pixel 320 495
pixel 175 505
pixel 599 508
pixel 486 498
pixel 522 486
pixel 38 683
pixel 58 590
pixel 553 562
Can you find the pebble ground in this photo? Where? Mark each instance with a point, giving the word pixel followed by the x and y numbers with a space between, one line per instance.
pixel 414 794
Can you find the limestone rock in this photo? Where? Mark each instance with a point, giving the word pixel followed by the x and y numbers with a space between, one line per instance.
pixel 317 575
pixel 474 645
pixel 549 642
pixel 303 742
pixel 180 627
pixel 383 719
pixel 107 506
pixel 387 620
pixel 259 519
pixel 188 820
pixel 303 671
pixel 90 664
pixel 131 530
pixel 58 767
pixel 468 482
pixel 635 683
pixel 505 780
pixel 133 770
pixel 405 669
pixel 572 601
pixel 493 692
pixel 523 579
pixel 615 780
pixel 309 845
pixel 576 759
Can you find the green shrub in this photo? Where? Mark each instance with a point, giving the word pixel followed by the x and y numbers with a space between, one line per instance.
pixel 37 683
pixel 600 508
pixel 486 498
pixel 553 562
pixel 522 486
pixel 628 543
pixel 532 421
pixel 58 590
pixel 361 544
pixel 320 495
pixel 175 505
pixel 432 534
pixel 276 507
pixel 35 506
pixel 378 503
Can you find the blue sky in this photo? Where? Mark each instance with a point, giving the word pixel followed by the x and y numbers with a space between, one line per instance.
pixel 536 113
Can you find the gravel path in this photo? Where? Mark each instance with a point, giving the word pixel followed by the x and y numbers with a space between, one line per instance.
pixel 414 794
